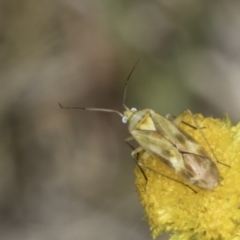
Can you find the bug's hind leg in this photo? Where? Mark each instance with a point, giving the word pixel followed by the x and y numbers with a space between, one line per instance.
pixel 179 119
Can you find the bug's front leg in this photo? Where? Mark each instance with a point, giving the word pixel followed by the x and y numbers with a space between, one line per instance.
pixel 136 159
pixel 135 151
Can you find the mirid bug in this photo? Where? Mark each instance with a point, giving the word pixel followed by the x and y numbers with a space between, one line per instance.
pixel 165 141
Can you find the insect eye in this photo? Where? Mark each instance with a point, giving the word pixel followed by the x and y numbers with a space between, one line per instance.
pixel 124 119
pixel 133 109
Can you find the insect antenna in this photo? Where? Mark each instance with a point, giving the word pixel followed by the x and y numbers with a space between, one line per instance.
pixel 108 110
pixel 126 85
pixel 93 109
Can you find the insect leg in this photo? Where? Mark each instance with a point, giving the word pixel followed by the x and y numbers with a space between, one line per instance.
pixel 136 159
pixel 129 139
pixel 170 116
pixel 151 169
pixel 179 119
pixel 137 152
pixel 203 136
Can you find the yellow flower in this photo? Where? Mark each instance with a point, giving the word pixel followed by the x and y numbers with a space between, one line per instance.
pixel 205 214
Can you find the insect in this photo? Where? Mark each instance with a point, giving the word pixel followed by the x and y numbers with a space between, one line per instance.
pixel 165 141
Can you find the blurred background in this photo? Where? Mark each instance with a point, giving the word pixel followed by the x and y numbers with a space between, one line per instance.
pixel 68 174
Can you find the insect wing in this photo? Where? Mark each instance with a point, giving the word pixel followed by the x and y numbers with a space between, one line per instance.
pixel 201 170
pixel 183 141
pixel 160 148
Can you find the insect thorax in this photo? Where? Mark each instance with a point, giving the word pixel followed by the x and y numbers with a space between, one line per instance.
pixel 140 120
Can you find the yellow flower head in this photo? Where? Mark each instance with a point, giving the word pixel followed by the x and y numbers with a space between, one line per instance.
pixel 193 213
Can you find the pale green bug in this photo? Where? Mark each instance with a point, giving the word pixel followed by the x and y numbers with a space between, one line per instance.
pixel 165 141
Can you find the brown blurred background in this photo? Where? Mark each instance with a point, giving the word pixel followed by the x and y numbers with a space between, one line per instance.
pixel 68 175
